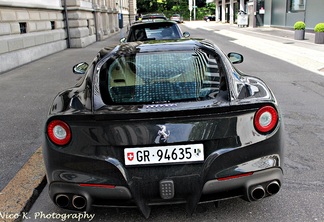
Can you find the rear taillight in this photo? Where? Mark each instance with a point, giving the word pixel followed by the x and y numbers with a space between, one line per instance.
pixel 97 185
pixel 59 132
pixel 235 176
pixel 265 119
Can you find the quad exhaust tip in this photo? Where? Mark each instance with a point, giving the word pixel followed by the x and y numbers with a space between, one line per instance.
pixel 79 202
pixel 63 200
pixel 258 192
pixel 273 187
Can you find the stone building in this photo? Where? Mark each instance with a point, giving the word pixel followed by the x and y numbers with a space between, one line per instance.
pixel 32 29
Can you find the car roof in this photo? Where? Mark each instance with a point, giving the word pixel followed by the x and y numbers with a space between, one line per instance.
pixel 155 23
pixel 153 14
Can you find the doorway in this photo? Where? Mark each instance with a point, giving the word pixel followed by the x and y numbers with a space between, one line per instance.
pixel 260 13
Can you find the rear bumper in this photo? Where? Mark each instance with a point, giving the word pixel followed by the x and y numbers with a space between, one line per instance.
pixel 121 196
pixel 243 186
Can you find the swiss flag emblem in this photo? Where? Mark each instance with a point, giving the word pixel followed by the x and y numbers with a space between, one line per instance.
pixel 130 156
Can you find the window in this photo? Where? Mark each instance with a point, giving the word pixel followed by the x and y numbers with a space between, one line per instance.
pixel 155 77
pixel 52 25
pixel 154 31
pixel 297 5
pixel 23 27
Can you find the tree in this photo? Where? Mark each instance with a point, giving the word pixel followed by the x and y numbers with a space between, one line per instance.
pixel 169 7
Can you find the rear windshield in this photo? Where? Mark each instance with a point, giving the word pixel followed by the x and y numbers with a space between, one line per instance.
pixel 161 77
pixel 154 31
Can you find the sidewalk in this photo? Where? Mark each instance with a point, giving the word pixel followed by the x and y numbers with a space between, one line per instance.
pixel 279 43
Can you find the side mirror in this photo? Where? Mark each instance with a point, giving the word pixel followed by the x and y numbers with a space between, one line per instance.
pixel 235 58
pixel 80 68
pixel 122 40
pixel 186 34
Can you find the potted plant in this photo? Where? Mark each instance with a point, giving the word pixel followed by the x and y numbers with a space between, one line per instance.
pixel 299 30
pixel 319 33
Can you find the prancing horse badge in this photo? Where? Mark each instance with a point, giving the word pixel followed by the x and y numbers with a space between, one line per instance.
pixel 163 133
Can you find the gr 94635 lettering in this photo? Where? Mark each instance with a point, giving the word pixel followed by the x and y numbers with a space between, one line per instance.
pixel 164 154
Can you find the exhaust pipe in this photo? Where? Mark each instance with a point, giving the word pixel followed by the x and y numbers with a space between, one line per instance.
pixel 273 187
pixel 62 200
pixel 79 202
pixel 257 193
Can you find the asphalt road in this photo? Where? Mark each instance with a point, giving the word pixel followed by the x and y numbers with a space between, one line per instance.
pixel 299 92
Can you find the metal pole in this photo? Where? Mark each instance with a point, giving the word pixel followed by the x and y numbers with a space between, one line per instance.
pixel 121 17
pixel 223 11
pixel 242 5
pixel 231 12
pixel 254 13
pixel 194 9
pixel 190 7
pixel 216 11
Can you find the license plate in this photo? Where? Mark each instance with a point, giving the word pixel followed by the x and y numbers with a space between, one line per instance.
pixel 164 154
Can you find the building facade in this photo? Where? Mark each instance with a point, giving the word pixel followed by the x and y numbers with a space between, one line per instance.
pixel 32 29
pixel 285 15
pixel 275 13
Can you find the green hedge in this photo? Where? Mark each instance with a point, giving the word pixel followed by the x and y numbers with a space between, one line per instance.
pixel 319 27
pixel 299 25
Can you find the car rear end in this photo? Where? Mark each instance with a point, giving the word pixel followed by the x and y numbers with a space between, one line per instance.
pixel 176 18
pixel 154 17
pixel 154 31
pixel 166 137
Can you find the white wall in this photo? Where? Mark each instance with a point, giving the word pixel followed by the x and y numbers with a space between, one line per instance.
pixel 32 3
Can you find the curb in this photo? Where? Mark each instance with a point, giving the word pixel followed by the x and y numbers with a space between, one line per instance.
pixel 22 191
